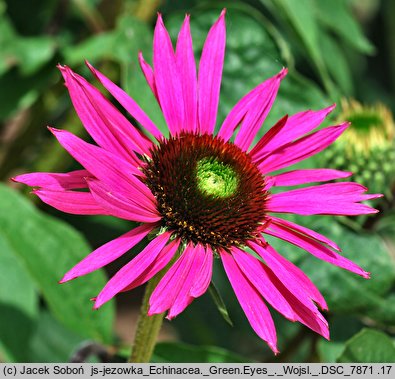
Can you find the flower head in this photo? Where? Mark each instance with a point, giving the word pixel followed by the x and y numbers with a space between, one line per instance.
pixel 199 193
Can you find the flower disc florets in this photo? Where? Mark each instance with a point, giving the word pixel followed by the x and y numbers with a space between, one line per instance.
pixel 208 191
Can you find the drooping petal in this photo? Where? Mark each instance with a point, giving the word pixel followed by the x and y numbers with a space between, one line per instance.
pixel 160 262
pixel 306 231
pixel 149 75
pixel 167 79
pixel 74 202
pixel 250 300
pixel 292 277
pixel 184 298
pixel 258 274
pixel 187 69
pixel 299 150
pixel 297 125
pixel 332 198
pixel 167 291
pixel 109 252
pixel 258 112
pixel 313 247
pixel 127 102
pixel 54 181
pixel 118 174
pixel 210 75
pixel 203 278
pixel 132 270
pixel 119 206
pixel 107 126
pixel 295 177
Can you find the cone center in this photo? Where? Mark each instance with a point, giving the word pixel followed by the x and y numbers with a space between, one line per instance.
pixel 215 178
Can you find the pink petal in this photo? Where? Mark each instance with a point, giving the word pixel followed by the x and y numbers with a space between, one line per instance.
pixel 210 75
pixel 203 278
pixel 127 102
pixel 259 276
pixel 149 75
pixel 160 262
pixel 254 308
pixel 107 126
pixel 301 149
pixel 132 270
pixel 313 247
pixel 309 316
pixel 116 173
pixel 303 230
pixel 187 69
pixel 109 252
pixel 295 177
pixel 119 206
pixel 167 79
pixel 184 298
pixel 272 132
pixel 168 289
pixel 78 203
pixel 54 181
pixel 259 109
pixel 291 276
pixel 297 125
pixel 333 198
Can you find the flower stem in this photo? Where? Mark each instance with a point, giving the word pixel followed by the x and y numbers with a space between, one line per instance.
pixel 148 327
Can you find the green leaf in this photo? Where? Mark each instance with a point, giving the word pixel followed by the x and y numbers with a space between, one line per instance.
pixel 177 352
pixel 18 303
pixel 337 64
pixel 52 342
pixel 370 346
pixel 219 302
pixel 47 248
pixel 337 16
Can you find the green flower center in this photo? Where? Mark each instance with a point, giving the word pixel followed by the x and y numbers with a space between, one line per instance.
pixel 214 178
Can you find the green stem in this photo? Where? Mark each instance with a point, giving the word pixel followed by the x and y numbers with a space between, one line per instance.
pixel 148 327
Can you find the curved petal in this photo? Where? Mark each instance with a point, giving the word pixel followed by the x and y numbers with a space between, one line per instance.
pixel 117 174
pixel 157 265
pixel 78 203
pixel 292 277
pixel 299 150
pixel 210 75
pixel 258 111
pixel 333 198
pixel 175 285
pixel 303 230
pixel 107 126
pixel 149 75
pixel 167 79
pixel 203 278
pixel 109 252
pixel 277 294
pixel 132 270
pixel 250 300
pixel 309 244
pixel 54 181
pixel 127 102
pixel 295 177
pixel 187 69
pixel 297 125
pixel 119 206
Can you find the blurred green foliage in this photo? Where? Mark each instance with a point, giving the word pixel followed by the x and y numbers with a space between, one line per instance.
pixel 325 46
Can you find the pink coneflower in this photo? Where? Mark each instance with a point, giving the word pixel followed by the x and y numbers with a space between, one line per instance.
pixel 197 192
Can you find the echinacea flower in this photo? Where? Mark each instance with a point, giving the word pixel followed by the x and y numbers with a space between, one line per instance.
pixel 201 195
